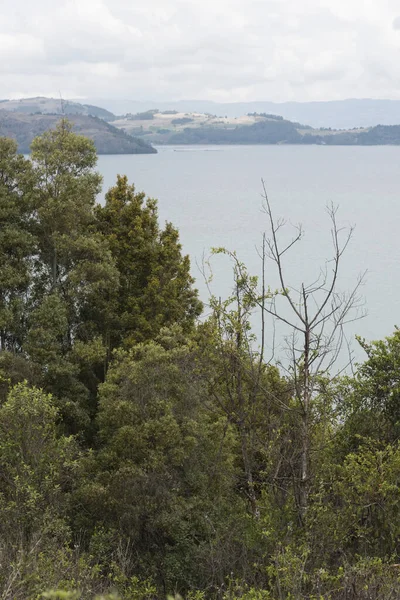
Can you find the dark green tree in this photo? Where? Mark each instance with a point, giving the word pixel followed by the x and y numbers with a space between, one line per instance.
pixel 73 273
pixel 155 282
pixel 378 381
pixel 73 258
pixel 17 244
pixel 165 475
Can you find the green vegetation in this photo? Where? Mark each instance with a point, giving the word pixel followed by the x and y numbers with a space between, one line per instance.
pixel 143 116
pixel 23 127
pixel 145 453
pixel 26 118
pixel 266 115
pixel 255 128
pixel 273 130
pixel 181 121
pixel 269 131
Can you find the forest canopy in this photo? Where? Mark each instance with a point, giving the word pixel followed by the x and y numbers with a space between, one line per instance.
pixel 146 452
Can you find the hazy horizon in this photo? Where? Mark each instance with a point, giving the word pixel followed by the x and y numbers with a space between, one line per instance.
pixel 337 114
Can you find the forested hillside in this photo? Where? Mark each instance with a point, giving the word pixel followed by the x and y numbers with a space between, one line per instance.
pixel 108 139
pixel 147 452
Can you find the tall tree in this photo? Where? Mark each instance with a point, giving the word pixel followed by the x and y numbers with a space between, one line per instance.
pixel 17 244
pixel 72 257
pixel 74 273
pixel 155 282
pixel 316 314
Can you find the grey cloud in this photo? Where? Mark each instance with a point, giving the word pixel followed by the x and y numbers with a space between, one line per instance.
pixel 216 49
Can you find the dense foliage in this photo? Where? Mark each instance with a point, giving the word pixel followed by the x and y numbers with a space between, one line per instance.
pixel 144 453
pixel 270 131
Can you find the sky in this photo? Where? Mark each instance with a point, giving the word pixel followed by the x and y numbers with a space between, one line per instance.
pixel 221 50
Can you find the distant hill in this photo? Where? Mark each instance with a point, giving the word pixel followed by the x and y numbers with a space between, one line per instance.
pixel 55 106
pixel 169 127
pixel 254 128
pixel 108 139
pixel 381 135
pixel 338 114
pixel 263 132
pixel 286 132
pixel 136 131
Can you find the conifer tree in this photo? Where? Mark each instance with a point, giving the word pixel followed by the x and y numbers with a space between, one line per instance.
pixel 155 282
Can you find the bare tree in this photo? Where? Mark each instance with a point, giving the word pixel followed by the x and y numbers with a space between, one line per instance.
pixel 316 315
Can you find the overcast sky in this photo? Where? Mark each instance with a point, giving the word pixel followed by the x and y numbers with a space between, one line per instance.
pixel 223 50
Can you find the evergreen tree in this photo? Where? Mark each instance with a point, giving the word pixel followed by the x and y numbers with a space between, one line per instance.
pixel 17 244
pixel 73 273
pixel 194 442
pixel 164 479
pixel 73 258
pixel 37 469
pixel 155 283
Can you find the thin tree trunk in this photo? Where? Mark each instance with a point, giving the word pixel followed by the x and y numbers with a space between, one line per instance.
pixel 248 473
pixel 54 267
pixel 305 433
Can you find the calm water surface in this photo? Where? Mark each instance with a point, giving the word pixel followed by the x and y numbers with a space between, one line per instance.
pixel 213 195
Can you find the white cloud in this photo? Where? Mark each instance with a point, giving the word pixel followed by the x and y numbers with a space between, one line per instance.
pixel 396 23
pixel 217 49
pixel 20 51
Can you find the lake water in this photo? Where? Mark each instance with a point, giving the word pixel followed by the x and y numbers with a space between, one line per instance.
pixel 213 195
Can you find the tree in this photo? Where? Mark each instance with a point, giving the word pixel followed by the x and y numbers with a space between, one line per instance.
pixel 165 473
pixel 17 244
pixel 370 399
pixel 67 185
pixel 315 315
pixel 74 274
pixel 378 381
pixel 73 258
pixel 248 390
pixel 155 283
pixel 36 462
pixel 37 467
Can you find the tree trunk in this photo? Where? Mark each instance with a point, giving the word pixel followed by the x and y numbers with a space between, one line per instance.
pixel 305 433
pixel 248 473
pixel 54 267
